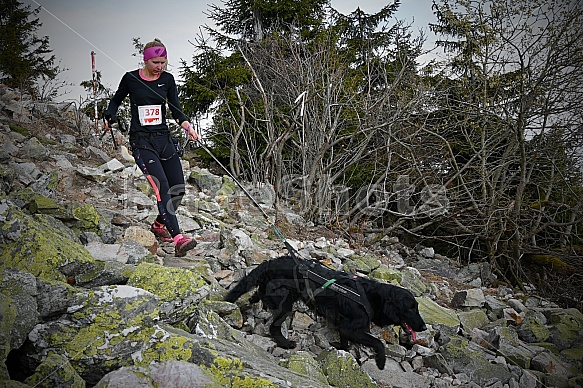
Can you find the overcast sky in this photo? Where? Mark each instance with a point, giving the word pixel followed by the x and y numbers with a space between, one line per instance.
pixel 77 27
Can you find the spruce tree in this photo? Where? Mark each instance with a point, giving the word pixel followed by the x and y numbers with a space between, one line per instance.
pixel 24 57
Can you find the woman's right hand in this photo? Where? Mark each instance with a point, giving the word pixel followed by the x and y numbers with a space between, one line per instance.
pixel 106 121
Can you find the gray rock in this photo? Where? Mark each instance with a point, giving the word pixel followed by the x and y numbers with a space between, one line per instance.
pixel 33 149
pixel 55 371
pixel 112 165
pixel 168 374
pixel 466 357
pixel 473 297
pixel 26 173
pixel 95 152
pixel 19 309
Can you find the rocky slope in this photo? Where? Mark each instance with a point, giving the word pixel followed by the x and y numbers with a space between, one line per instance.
pixel 88 297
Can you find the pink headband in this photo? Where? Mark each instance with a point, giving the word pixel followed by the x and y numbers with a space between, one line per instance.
pixel 153 52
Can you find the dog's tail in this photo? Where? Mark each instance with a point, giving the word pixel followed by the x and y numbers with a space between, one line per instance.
pixel 253 279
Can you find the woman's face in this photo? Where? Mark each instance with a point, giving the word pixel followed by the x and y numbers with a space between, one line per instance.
pixel 156 65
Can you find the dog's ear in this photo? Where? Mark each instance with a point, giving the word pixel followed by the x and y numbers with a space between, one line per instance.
pixel 391 312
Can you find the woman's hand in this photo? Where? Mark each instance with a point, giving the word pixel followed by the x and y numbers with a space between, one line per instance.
pixel 107 122
pixel 190 132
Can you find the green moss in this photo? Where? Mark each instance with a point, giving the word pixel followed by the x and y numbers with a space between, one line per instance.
pixel 229 186
pixel 7 176
pixel 111 332
pixel 53 180
pixel 22 198
pixel 41 204
pixel 456 348
pixel 18 129
pixel 168 283
pixel 573 354
pixel 364 264
pixel 387 274
pixel 164 347
pixel 547 345
pixel 341 370
pixel 7 321
pixel 88 217
pixel 227 372
pixel 463 354
pixel 435 314
pixel 304 364
pixel 552 262
pixel 55 371
pixel 533 326
pixel 145 188
pixel 40 245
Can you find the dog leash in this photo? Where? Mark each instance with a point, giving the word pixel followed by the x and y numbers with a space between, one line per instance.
pixel 301 263
pixel 277 232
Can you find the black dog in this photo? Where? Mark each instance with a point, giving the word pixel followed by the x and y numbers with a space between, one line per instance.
pixel 350 302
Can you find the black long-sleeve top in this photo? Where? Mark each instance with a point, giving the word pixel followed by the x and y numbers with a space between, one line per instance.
pixel 147 93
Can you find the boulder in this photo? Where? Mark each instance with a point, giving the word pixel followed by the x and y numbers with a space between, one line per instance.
pixel 466 357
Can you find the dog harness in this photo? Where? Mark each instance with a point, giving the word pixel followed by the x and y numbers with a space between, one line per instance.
pixel 303 268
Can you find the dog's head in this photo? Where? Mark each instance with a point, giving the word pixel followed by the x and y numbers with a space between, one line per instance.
pixel 402 309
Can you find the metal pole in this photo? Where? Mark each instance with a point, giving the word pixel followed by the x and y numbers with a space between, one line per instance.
pixel 94 73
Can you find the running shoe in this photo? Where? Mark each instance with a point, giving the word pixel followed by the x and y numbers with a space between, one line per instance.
pixel 183 245
pixel 161 232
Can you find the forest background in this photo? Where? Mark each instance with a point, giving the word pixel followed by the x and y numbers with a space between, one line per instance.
pixel 476 154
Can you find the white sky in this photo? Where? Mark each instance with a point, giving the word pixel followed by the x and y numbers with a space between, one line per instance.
pixel 77 27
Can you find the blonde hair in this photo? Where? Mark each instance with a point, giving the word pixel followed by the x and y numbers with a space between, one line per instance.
pixel 155 43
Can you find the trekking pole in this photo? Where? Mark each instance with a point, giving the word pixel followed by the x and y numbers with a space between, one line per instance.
pixel 105 121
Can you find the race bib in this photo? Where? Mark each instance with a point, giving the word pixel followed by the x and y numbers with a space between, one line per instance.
pixel 150 114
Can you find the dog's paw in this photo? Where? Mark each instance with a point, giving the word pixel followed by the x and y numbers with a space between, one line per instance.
pixel 380 360
pixel 338 345
pixel 285 343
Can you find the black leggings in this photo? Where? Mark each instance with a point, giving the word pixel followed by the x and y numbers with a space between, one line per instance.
pixel 157 158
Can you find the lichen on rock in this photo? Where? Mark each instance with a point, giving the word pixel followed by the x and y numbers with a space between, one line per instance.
pixel 39 244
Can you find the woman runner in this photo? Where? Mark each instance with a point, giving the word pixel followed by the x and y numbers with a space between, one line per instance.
pixel 150 88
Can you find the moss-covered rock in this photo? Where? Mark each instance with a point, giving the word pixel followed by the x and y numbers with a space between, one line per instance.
pixel 443 319
pixel 229 187
pixel 110 327
pixel 508 345
pixel 8 315
pixel 42 204
pixel 574 355
pixel 472 319
pixel 222 350
pixel 55 371
pixel 341 370
pixel 552 364
pixel 466 357
pixel 207 182
pixel 18 291
pixel 179 289
pixel 413 281
pixel 386 274
pixel 88 218
pixel 363 264
pixel 158 374
pixel 304 363
pixel 533 328
pixel 7 176
pixel 40 245
pixel 566 326
pixel 22 198
pixel 228 372
pixel 13 384
pixel 551 262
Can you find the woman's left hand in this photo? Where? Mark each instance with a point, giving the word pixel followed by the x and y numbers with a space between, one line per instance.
pixel 191 133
